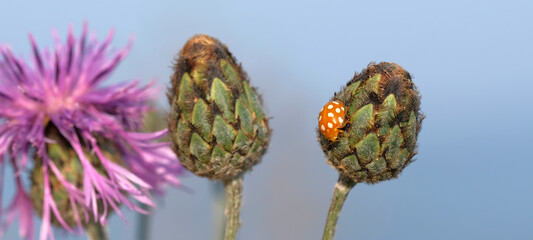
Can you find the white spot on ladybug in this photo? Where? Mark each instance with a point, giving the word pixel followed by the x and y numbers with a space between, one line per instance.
pixel 319 117
pixel 336 102
pixel 330 106
pixel 334 121
pixel 340 120
pixel 341 108
pixel 322 127
pixel 330 125
pixel 330 114
pixel 338 110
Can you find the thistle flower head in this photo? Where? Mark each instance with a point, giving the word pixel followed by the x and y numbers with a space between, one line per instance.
pixel 217 123
pixel 88 156
pixel 369 130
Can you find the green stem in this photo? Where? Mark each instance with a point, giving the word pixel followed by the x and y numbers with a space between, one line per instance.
pixel 340 192
pixel 96 231
pixel 219 203
pixel 143 223
pixel 233 206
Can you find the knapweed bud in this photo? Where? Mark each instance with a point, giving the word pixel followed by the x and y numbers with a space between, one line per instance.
pixel 375 138
pixel 218 127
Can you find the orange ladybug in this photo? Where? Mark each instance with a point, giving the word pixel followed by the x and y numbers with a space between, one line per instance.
pixel 330 119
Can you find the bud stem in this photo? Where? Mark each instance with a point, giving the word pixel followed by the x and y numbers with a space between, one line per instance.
pixel 233 206
pixel 219 202
pixel 95 231
pixel 143 223
pixel 340 192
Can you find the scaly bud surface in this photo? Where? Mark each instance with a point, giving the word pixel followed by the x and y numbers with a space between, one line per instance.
pixel 383 121
pixel 218 126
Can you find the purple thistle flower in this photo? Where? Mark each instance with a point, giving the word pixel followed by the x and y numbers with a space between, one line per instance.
pixel 58 102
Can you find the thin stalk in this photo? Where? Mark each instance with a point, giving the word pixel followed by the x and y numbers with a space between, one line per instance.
pixel 233 206
pixel 340 192
pixel 219 203
pixel 143 223
pixel 95 231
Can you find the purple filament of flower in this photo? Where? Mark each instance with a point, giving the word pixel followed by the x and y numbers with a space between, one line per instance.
pixel 63 87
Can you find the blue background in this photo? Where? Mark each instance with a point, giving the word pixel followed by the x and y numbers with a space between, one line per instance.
pixel 471 60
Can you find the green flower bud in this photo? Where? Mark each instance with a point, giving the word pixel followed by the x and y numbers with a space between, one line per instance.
pixel 217 124
pixel 383 121
pixel 68 163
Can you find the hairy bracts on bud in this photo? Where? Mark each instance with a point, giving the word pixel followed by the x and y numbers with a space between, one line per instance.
pixel 67 161
pixel 218 127
pixel 384 119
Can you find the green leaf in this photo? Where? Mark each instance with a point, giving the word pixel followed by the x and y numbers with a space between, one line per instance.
pixel 201 166
pixel 200 77
pixel 55 152
pixel 199 148
pixel 409 130
pixel 361 94
pixel 242 142
pixel 224 133
pixel 392 144
pixel 372 83
pixel 245 117
pixel 256 146
pixel 219 157
pixel 222 97
pixel 364 117
pixel 353 87
pixel 384 130
pixel 182 133
pixel 262 131
pixel 409 98
pixel 359 98
pixel 368 149
pixel 244 100
pixel 186 96
pixel 387 110
pixel 341 148
pixel 200 119
pixel 174 108
pixel 350 163
pixel 348 91
pixel 231 75
pixel 361 121
pixel 60 195
pixel 402 158
pixel 68 161
pixel 253 101
pixel 361 175
pixel 377 167
pixel 237 159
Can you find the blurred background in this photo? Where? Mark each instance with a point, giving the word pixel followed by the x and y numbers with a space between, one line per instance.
pixel 471 60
